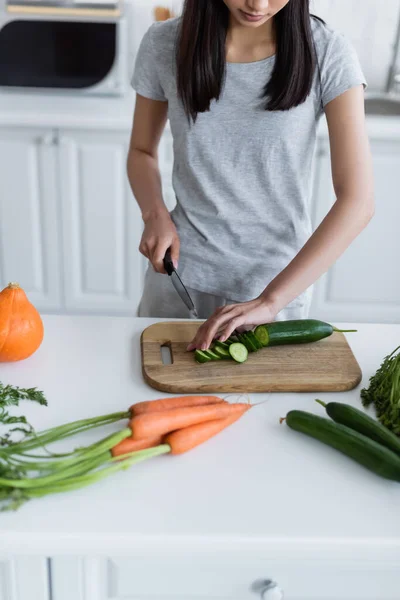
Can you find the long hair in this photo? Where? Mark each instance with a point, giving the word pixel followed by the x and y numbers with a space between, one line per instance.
pixel 201 59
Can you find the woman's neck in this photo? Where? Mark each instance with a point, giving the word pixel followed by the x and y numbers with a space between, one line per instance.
pixel 245 44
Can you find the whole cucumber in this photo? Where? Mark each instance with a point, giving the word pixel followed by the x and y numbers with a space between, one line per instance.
pixel 359 421
pixel 300 331
pixel 363 450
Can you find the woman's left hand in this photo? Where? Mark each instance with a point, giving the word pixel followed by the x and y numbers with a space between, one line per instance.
pixel 233 316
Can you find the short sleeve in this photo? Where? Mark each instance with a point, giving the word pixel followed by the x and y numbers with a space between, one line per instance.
pixel 145 79
pixel 341 69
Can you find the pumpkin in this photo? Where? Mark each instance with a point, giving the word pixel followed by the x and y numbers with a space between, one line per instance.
pixel 21 327
pixel 163 14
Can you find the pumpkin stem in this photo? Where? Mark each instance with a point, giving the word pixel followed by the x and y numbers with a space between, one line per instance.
pixel 13 286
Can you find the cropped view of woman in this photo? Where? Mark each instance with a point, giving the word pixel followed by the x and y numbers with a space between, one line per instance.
pixel 243 84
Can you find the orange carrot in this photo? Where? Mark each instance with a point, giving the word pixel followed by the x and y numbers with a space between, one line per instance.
pixel 151 406
pixel 131 445
pixel 162 422
pixel 185 439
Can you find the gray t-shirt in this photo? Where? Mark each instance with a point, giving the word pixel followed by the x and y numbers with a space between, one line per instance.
pixel 242 175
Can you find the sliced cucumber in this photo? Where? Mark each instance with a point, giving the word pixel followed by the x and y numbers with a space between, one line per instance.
pixel 222 352
pixel 201 357
pixel 243 340
pixel 233 339
pixel 255 340
pixel 238 352
pixel 224 345
pixel 250 342
pixel 261 333
pixel 212 354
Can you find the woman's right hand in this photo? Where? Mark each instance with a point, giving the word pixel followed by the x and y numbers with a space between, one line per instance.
pixel 160 234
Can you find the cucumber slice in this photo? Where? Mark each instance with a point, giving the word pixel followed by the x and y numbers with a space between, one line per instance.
pixel 250 342
pixel 255 340
pixel 243 340
pixel 233 339
pixel 222 352
pixel 238 352
pixel 261 333
pixel 224 345
pixel 212 354
pixel 201 357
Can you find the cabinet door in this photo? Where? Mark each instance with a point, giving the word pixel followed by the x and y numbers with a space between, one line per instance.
pixel 28 215
pixel 24 577
pixel 363 285
pixel 101 224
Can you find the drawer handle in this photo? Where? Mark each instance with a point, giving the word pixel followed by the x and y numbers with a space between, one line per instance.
pixel 268 589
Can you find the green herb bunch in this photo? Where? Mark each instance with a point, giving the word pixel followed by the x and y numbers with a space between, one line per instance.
pixel 11 396
pixel 384 392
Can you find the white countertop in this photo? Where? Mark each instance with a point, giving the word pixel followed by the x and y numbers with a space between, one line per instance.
pixel 58 110
pixel 257 483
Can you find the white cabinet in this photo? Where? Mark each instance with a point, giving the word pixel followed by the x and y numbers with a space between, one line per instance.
pixel 22 578
pixel 363 285
pixel 29 234
pixel 210 575
pixel 69 226
pixel 101 224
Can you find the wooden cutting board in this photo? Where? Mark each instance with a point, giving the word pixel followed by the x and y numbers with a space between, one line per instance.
pixel 325 366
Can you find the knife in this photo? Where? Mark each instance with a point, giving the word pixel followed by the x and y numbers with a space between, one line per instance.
pixel 178 285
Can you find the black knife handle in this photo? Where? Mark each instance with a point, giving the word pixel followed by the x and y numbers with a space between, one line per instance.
pixel 168 264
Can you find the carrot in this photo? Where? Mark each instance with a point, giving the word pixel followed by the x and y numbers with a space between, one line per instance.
pixel 162 422
pixel 185 439
pixel 151 406
pixel 129 445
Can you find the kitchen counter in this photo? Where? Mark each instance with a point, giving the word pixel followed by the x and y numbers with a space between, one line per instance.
pixel 43 109
pixel 258 483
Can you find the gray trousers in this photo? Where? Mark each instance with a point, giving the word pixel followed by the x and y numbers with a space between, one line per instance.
pixel 160 300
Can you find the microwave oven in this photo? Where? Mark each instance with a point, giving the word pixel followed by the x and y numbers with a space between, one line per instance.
pixel 49 52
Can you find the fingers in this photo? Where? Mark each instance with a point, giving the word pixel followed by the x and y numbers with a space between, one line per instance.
pixel 175 248
pixel 158 254
pixel 155 250
pixel 224 319
pixel 144 249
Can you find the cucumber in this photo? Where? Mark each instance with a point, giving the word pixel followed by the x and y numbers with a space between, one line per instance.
pixel 222 352
pixel 219 344
pixel 212 354
pixel 238 352
pixel 255 340
pixel 201 357
pixel 301 331
pixel 244 342
pixel 233 339
pixel 248 342
pixel 359 421
pixel 261 333
pixel 360 448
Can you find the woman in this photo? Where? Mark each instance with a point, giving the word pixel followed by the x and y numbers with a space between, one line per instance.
pixel 244 83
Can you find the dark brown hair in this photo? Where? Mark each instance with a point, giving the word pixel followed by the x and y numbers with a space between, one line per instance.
pixel 201 60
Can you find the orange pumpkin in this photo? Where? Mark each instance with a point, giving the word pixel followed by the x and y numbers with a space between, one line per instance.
pixel 21 327
pixel 162 14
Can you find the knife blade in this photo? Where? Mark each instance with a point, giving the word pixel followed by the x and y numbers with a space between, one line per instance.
pixel 178 284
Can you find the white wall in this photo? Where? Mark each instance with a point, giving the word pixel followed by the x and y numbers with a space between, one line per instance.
pixel 371 26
